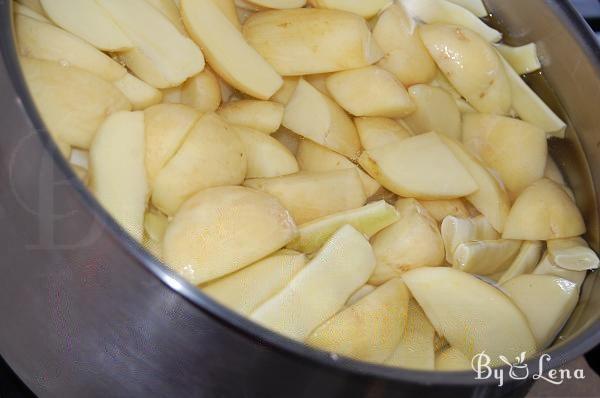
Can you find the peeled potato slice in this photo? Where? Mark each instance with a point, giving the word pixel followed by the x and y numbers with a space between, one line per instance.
pixel 286 91
pixel 366 9
pixel 308 195
pixel 142 66
pixel 472 315
pixel 543 211
pixel 523 59
pixel 314 157
pixel 245 290
pixel 378 317
pixel 265 116
pixel 228 8
pixel 170 10
pixel 421 167
pixel 226 50
pixel 211 155
pixel 471 64
pixel 254 223
pixel 140 94
pixel 547 267
pixel 413 241
pixel 370 91
pixel 486 257
pixel 456 231
pixel 546 301
pixel 416 348
pixel 321 288
pixel 118 170
pixel 436 110
pixel 451 359
pixel 525 262
pixel 310 40
pixel 440 209
pixel 360 294
pixel 368 220
pixel 202 92
pixel 573 254
pixel 375 132
pixel 313 115
pixel 278 4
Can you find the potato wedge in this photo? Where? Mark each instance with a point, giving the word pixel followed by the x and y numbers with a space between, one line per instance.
pixel 226 50
pixel 486 257
pixel 278 4
pixel 368 220
pixel 436 110
pixel 415 349
pixel 370 91
pixel 305 41
pixel 142 66
pixel 528 258
pixel 140 94
pixel 523 59
pixel 546 301
pixel 471 65
pixel 378 317
pixel 227 7
pixel 472 315
pixel 456 231
pixel 211 155
pixel 286 91
pixel 421 167
pixel 315 116
pixel 202 92
pixel 411 242
pixel 265 116
pixel 366 9
pixel 118 170
pixel 169 9
pixel 255 224
pixel 451 359
pixel 543 211
pixel 245 290
pixel 308 195
pixel 361 293
pixel 440 209
pixel 375 132
pixel 547 267
pixel 72 102
pixel 321 288
pixel 319 81
pixel 573 254
pixel 266 156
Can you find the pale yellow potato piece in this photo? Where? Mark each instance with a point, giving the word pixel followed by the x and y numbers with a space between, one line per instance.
pixel 155 225
pixel 265 116
pixel 286 91
pixel 472 66
pixel 517 150
pixel 458 230
pixel 490 199
pixel 211 155
pixel 472 315
pixel 547 302
pixel 319 81
pixel 523 59
pixel 552 172
pixel 266 156
pixel 451 359
pixel 547 267
pixel 441 81
pixel 170 10
pixel 315 116
pixel 118 172
pixel 370 91
pixel 310 40
pixel 221 230
pixel 278 4
pixel 411 242
pixel 228 9
pixel 314 157
pixel 320 290
pixel 366 9
pixel 375 132
pixel 573 254
pixel 42 40
pixel 436 110
pixel 486 257
pixel 416 348
pixel 528 258
pixel 230 56
pixel 405 56
pixel 245 290
pixel 440 209
pixel 543 211
pixel 88 20
pixel 290 140
pixel 202 92
pixel 308 195
pixel 167 125
pixel 361 293
pixel 378 317
pixel 144 68
pixel 368 220
pixel 24 10
pixel 421 167
pixel 140 94
pixel 72 102
pixel 171 95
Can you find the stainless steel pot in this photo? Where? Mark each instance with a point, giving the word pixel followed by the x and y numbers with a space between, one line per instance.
pixel 85 311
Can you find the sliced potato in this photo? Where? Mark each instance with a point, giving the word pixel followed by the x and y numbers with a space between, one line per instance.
pixel 573 254
pixel 170 10
pixel 142 66
pixel 370 91
pixel 440 209
pixel 140 94
pixel 226 50
pixel 456 231
pixel 286 91
pixel 278 4
pixel 411 242
pixel 321 288
pixel 486 257
pixel 361 293
pixel 265 116
pixel 305 41
pixel 290 140
pixel 319 81
pixel 436 110
pixel 546 301
pixel 368 220
pixel 228 9
pixel 523 59
pixel 421 167
pixel 253 222
pixel 547 267
pixel 543 211
pixel 378 317
pixel 202 92
pixel 471 65
pixel 245 290
pixel 451 359
pixel 266 156
pixel 211 155
pixel 118 171
pixel 525 262
pixel 366 9
pixel 72 102
pixel 308 195
pixel 315 116
pixel 472 315
pixel 375 132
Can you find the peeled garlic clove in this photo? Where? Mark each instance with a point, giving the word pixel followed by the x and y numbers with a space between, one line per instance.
pixel 525 262
pixel 573 254
pixel 457 230
pixel 485 257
